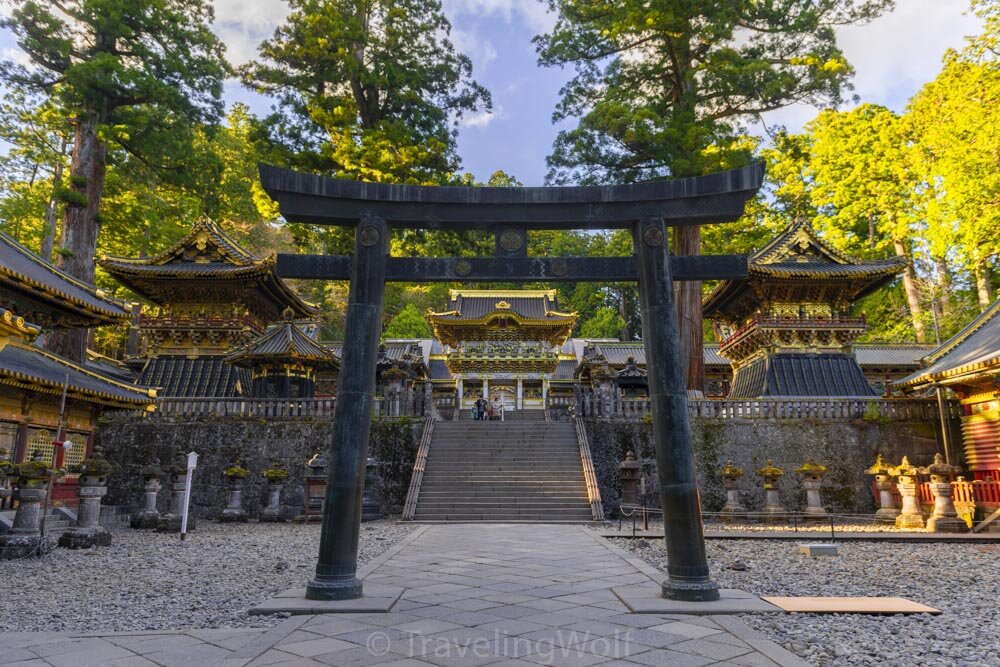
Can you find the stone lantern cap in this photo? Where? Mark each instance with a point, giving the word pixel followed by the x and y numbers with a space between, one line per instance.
pixel 152 469
pixel 32 473
pixel 731 471
pixel 629 463
pixel 905 469
pixel 810 467
pixel 96 465
pixel 941 469
pixel 235 471
pixel 276 473
pixel 770 470
pixel 880 467
pixel 317 463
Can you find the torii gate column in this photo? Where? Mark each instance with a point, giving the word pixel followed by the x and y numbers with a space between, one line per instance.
pixel 336 571
pixel 687 565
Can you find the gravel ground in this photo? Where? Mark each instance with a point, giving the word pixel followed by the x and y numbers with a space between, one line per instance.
pixel 153 581
pixel 962 580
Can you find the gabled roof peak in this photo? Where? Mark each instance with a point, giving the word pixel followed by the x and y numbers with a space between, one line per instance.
pixel 205 242
pixel 800 242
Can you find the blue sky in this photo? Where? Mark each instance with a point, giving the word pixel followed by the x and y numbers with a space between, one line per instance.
pixel 893 57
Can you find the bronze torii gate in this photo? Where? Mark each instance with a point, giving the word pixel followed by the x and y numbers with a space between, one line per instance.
pixel 374 209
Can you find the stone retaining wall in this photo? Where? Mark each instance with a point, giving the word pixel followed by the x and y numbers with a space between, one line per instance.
pixel 130 442
pixel 847 447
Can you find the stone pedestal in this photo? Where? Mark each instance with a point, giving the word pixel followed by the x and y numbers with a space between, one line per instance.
pixel 149 517
pixel 910 516
pixel 171 521
pixel 882 471
pixel 88 531
pixel 731 476
pixel 234 511
pixel 887 510
pixel 945 517
pixel 772 499
pixel 272 513
pixel 25 538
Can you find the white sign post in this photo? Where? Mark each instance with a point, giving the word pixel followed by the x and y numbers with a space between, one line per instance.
pixel 192 463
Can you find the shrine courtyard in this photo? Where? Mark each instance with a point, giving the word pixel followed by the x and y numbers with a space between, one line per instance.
pixel 481 594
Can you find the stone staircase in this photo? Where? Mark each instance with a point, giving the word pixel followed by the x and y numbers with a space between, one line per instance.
pixel 522 469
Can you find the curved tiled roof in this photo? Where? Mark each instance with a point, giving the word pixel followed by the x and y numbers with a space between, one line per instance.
pixel 283 341
pixel 973 350
pixel 27 367
pixel 475 305
pixel 24 276
pixel 208 254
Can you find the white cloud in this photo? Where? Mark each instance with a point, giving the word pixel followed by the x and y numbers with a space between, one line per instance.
pixel 482 119
pixel 533 13
pixel 896 54
pixel 243 24
pixel 481 51
pixel 15 55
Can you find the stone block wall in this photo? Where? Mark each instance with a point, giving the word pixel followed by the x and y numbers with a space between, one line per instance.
pixel 130 441
pixel 847 447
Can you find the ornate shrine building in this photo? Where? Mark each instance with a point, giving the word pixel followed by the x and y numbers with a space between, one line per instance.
pixel 509 344
pixel 211 296
pixel 284 362
pixel 969 365
pixel 787 327
pixel 35 296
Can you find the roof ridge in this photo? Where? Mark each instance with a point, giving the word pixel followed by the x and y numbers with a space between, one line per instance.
pixel 967 331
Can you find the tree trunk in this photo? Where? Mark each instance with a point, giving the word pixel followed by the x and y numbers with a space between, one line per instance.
pixel 81 223
pixel 52 208
pixel 687 241
pixel 910 289
pixel 983 292
pixel 944 285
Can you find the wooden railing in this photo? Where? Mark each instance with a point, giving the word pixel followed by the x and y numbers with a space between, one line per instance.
pixel 413 494
pixel 589 476
pixel 592 404
pixel 963 492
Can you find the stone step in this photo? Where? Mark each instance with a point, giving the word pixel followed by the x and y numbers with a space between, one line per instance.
pixel 509 518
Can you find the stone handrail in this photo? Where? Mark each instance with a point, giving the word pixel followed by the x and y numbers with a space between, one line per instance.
pixel 410 506
pixel 246 407
pixel 597 404
pixel 593 490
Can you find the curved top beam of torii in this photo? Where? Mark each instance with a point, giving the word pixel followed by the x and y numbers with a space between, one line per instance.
pixel 684 201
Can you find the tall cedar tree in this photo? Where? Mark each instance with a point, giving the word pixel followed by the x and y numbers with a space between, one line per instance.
pixel 663 89
pixel 140 74
pixel 371 89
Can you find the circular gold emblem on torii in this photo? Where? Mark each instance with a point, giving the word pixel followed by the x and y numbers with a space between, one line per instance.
pixel 653 236
pixel 463 267
pixel 511 240
pixel 368 235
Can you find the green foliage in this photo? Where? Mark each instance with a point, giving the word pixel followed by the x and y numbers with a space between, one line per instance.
pixel 665 89
pixel 371 89
pixel 605 323
pixel 408 323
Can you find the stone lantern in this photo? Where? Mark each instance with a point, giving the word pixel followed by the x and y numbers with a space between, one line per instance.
pixel 907 481
pixel 235 477
pixel 731 480
pixel 811 474
pixel 883 483
pixel 393 390
pixel 149 517
pixel 171 521
pixel 6 474
pixel 772 500
pixel 605 377
pixel 944 518
pixel 275 476
pixel 630 471
pixel 89 532
pixel 315 498
pixel 370 509
pixel 25 537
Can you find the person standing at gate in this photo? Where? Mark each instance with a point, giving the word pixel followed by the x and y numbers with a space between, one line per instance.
pixel 480 408
pixel 497 409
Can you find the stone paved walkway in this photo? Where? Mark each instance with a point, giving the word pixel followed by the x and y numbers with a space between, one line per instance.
pixel 476 594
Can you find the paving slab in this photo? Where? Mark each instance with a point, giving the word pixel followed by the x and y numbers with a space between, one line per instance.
pixel 469 595
pixel 851 605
